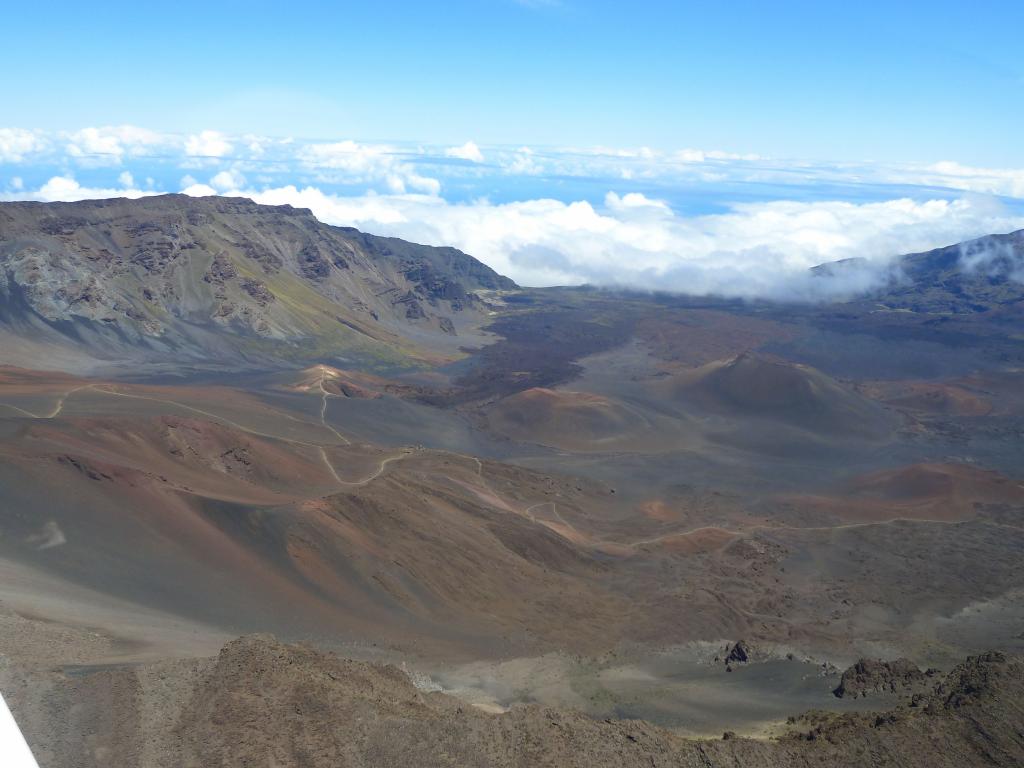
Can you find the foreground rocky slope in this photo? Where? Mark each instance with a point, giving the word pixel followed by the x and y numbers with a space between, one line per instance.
pixel 224 279
pixel 263 703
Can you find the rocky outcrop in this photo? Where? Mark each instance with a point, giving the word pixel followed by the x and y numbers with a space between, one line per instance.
pixel 738 653
pixel 874 676
pixel 257 290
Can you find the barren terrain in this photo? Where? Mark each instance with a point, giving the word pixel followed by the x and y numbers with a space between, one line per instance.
pixel 553 525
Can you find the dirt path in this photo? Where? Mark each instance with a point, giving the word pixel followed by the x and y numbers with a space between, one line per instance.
pixel 580 536
pixel 678 534
pixel 56 409
pixel 369 478
pixel 819 528
pixel 323 408
pixel 323 453
pixel 529 510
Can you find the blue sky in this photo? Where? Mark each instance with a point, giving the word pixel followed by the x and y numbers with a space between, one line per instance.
pixel 922 81
pixel 713 146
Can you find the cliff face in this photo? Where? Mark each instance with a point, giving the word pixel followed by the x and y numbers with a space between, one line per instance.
pixel 228 280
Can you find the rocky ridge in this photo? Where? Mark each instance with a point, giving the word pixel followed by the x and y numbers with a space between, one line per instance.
pixel 178 276
pixel 263 703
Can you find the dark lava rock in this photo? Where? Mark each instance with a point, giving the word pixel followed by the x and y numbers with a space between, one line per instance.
pixel 312 263
pixel 976 677
pixel 738 653
pixel 221 269
pixel 258 291
pixel 873 675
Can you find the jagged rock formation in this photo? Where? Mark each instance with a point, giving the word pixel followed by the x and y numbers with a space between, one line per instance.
pixel 871 675
pixel 740 652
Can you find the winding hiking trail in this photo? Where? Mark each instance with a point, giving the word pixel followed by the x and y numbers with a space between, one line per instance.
pixel 561 520
pixel 405 453
pixel 323 407
pixel 241 427
pixel 812 528
pixel 529 513
pixel 56 409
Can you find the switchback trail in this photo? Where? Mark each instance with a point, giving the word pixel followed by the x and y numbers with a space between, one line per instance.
pixel 320 448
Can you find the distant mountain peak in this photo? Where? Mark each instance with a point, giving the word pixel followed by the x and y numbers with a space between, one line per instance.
pixel 979 275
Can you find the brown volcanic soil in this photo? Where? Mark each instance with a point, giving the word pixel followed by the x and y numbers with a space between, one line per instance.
pixel 151 505
pixel 703 336
pixel 827 496
pixel 218 520
pixel 928 397
pixel 339 382
pixel 195 455
pixel 573 421
pixel 937 492
pixel 295 536
pixel 751 387
pixel 262 703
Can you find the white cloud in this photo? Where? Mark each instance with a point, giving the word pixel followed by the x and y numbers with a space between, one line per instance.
pixel 468 151
pixel 631 152
pixel 356 163
pixel 703 156
pixel 199 190
pixel 522 163
pixel 255 144
pixel 207 144
pixel 635 201
pixel 347 155
pixel 227 180
pixel 67 189
pixel 624 237
pixel 109 144
pixel 754 249
pixel 995 181
pixel 17 143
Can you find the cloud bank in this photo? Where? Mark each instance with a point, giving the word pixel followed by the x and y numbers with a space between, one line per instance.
pixel 688 220
pixel 753 250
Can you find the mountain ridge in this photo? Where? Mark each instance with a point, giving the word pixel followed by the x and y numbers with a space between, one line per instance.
pixel 231 279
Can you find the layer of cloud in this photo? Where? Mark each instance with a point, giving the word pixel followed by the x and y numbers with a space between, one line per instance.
pixel 111 144
pixel 631 240
pixel 207 144
pixel 352 163
pixel 396 169
pixel 468 151
pixel 995 181
pixel 604 215
pixel 67 189
pixel 753 250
